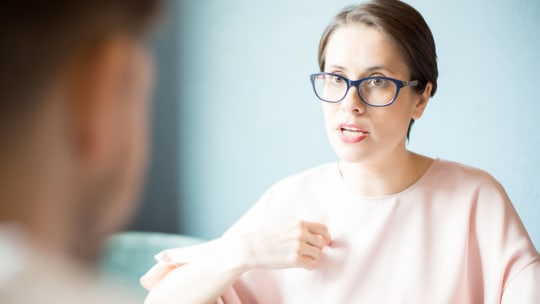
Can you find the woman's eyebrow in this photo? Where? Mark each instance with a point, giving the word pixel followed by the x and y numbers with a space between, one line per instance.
pixel 337 67
pixel 367 70
pixel 378 67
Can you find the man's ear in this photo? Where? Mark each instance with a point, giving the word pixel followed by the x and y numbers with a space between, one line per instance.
pixel 421 103
pixel 95 95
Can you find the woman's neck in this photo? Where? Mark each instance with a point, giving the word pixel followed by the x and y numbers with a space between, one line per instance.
pixel 384 176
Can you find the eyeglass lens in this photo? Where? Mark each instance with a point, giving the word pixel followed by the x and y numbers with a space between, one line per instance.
pixel 375 91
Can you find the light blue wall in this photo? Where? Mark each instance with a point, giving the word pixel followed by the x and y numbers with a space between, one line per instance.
pixel 248 116
pixel 160 199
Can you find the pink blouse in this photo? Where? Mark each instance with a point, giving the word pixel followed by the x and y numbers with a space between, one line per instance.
pixel 452 237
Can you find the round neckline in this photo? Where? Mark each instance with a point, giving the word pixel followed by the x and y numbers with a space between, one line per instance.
pixel 355 195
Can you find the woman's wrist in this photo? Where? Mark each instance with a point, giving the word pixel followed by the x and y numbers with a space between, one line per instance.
pixel 238 252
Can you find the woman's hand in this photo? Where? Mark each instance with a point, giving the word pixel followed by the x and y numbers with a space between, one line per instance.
pixel 225 259
pixel 300 244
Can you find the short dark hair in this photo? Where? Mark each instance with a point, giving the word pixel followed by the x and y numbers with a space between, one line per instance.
pixel 39 36
pixel 404 25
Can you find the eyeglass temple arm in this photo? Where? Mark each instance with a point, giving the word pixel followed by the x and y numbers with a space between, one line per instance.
pixel 411 83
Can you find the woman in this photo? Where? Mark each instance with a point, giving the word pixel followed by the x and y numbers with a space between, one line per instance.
pixel 381 225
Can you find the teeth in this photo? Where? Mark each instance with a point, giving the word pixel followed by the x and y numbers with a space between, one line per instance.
pixel 352 133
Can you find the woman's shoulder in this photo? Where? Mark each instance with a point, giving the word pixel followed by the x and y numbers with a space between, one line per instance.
pixel 469 187
pixel 454 173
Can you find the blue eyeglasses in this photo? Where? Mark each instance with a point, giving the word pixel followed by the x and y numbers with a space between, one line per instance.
pixel 376 91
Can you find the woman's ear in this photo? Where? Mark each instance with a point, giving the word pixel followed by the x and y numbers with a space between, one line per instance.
pixel 421 102
pixel 95 102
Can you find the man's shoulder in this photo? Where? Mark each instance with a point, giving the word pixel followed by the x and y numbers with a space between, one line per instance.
pixel 31 276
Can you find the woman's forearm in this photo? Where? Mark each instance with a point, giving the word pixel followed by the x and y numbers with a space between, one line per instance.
pixel 196 283
pixel 219 263
pixel 203 281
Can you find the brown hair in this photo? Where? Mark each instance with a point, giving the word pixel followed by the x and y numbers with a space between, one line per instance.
pixel 39 37
pixel 401 23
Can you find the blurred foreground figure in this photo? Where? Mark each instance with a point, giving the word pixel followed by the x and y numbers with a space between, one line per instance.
pixel 75 81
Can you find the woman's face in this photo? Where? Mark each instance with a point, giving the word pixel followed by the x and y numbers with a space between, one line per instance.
pixel 356 131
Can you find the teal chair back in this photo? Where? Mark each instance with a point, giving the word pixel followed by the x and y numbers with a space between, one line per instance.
pixel 128 255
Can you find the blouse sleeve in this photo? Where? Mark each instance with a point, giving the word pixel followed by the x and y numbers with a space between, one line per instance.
pixel 170 259
pixel 510 263
pixel 270 210
pixel 265 214
pixel 524 287
pixel 259 216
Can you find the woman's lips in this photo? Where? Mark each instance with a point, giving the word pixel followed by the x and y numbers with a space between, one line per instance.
pixel 351 134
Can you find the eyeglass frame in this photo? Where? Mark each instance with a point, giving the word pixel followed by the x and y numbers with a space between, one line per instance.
pixel 356 83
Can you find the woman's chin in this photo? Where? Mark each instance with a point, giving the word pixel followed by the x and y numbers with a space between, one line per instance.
pixel 352 155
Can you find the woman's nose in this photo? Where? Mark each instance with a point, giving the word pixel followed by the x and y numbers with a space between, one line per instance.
pixel 352 102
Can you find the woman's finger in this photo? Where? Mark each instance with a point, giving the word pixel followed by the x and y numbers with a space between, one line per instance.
pixel 309 251
pixel 318 228
pixel 315 240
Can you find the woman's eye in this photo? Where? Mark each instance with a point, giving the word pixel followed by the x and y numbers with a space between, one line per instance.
pixel 337 80
pixel 377 82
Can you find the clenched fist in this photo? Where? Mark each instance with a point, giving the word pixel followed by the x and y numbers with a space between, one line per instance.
pixel 299 244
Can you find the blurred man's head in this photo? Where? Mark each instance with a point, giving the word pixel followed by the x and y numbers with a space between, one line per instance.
pixel 75 82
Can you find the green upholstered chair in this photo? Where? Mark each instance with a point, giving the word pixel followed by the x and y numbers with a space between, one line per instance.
pixel 128 255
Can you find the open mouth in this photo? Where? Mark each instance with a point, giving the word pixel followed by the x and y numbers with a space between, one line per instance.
pixel 352 132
